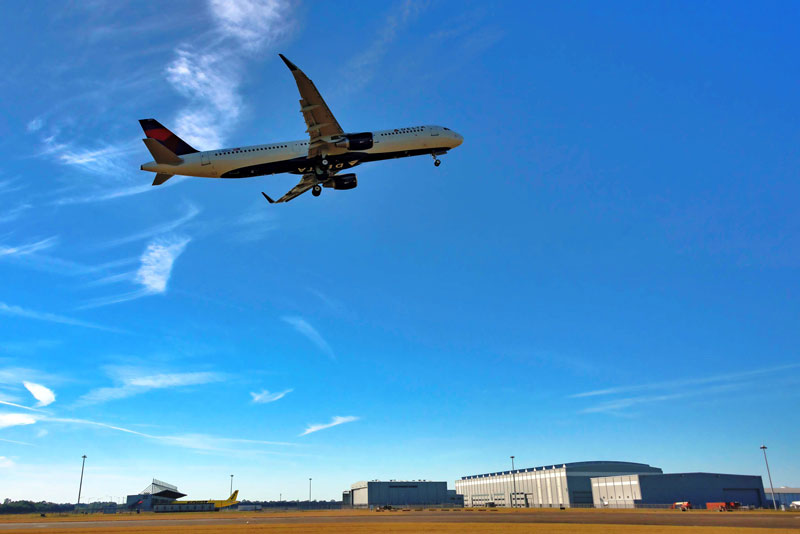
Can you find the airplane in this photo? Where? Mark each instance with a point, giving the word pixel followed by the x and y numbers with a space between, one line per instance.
pixel 230 501
pixel 327 151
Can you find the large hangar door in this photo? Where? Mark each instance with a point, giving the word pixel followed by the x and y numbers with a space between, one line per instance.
pixel 359 496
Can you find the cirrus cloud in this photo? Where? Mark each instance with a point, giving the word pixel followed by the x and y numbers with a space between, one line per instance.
pixel 335 421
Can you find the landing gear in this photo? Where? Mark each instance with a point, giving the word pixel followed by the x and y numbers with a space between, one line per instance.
pixel 324 162
pixel 436 161
pixel 316 190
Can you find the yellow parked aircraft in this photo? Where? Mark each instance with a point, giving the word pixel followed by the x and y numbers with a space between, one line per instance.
pixel 230 501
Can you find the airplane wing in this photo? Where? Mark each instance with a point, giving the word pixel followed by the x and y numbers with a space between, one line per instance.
pixel 306 182
pixel 319 119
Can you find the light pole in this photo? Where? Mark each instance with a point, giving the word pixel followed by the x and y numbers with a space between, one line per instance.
pixel 231 484
pixel 80 486
pixel 309 491
pixel 771 489
pixel 514 479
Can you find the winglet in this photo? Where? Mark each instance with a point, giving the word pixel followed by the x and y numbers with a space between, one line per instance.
pixel 289 64
pixel 267 197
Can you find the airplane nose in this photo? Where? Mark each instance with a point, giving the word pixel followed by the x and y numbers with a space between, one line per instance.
pixel 458 138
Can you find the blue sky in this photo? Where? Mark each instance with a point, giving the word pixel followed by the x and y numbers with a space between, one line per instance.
pixel 607 268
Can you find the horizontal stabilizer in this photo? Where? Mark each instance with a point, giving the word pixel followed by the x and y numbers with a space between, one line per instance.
pixel 161 178
pixel 161 154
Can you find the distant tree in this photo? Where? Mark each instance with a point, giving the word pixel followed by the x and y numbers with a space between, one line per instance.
pixel 30 507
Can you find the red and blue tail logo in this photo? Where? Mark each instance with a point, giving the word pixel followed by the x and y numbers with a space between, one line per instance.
pixel 155 130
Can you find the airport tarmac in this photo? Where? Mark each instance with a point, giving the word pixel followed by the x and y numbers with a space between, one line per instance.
pixel 491 520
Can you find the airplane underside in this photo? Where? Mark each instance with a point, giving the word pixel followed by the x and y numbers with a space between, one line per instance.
pixel 336 163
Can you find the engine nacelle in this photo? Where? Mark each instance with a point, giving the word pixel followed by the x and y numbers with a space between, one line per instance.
pixel 356 141
pixel 344 181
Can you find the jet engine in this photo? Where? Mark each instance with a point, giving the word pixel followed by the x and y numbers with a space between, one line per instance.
pixel 355 141
pixel 345 181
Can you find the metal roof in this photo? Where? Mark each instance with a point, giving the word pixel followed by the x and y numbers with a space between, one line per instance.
pixel 569 465
pixel 159 488
pixel 784 489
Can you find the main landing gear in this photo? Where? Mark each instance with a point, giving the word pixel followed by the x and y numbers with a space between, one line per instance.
pixel 436 161
pixel 316 190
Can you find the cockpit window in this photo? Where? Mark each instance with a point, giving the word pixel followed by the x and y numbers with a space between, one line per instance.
pixel 448 129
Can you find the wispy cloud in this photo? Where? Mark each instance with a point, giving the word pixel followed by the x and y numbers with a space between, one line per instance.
pixel 42 394
pixel 154 271
pixel 6 463
pixel 196 442
pixel 210 82
pixel 303 327
pixel 334 305
pixel 672 390
pixel 28 248
pixel 9 186
pixel 254 225
pixel 337 420
pixel 15 442
pixel 104 194
pixel 17 311
pixel 670 384
pixel 157 262
pixel 133 381
pixel 210 77
pixel 362 69
pixel 16 419
pixel 106 160
pixel 265 396
pixel 15 405
pixel 254 23
pixel 35 125
pixel 14 213
pixel 190 212
pixel 17 375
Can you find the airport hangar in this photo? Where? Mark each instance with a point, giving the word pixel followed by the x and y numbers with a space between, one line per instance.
pixel 371 493
pixel 573 485
pixel 632 491
pixel 783 496
pixel 543 487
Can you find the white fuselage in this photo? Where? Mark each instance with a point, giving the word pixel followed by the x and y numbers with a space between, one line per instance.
pixel 291 156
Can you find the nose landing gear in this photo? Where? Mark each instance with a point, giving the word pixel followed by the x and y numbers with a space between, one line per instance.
pixel 316 190
pixel 436 161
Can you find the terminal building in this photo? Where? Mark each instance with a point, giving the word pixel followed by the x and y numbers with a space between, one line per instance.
pixel 400 493
pixel 632 491
pixel 554 486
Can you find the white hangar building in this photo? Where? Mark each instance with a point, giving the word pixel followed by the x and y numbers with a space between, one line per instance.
pixel 554 486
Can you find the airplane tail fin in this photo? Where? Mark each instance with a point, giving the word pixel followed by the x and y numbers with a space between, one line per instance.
pixel 233 495
pixel 155 130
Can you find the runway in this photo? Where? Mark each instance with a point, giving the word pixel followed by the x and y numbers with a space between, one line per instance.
pixel 234 520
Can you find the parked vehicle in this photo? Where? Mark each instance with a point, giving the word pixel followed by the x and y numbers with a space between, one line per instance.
pixel 723 506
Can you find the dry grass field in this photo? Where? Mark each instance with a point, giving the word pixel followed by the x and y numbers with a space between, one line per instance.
pixel 428 522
